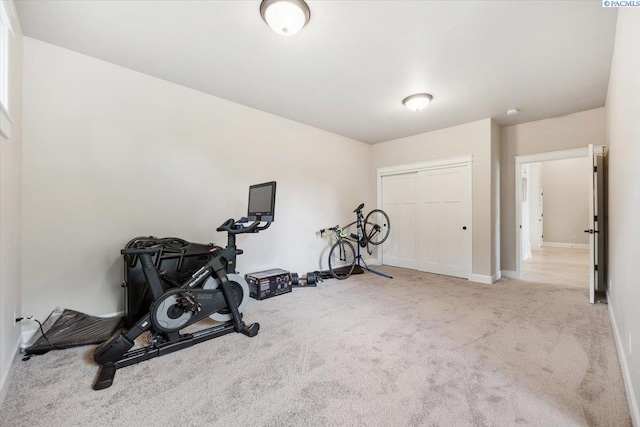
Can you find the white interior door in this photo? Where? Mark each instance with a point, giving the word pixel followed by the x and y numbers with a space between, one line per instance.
pixel 541 210
pixel 444 221
pixel 399 196
pixel 596 222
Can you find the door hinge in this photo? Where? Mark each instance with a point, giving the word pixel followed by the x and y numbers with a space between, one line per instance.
pixel 595 267
pixel 595 169
pixel 595 217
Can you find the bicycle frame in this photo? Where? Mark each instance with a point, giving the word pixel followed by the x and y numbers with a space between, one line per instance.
pixel 361 239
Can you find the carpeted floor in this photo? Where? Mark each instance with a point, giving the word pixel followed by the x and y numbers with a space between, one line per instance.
pixel 419 349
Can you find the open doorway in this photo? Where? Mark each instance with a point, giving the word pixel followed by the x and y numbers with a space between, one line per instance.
pixel 555 213
pixel 528 200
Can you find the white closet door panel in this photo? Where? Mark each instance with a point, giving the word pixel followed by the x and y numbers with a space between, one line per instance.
pixel 444 202
pixel 452 258
pixel 408 242
pixel 428 210
pixel 399 195
pixel 429 217
pixel 391 249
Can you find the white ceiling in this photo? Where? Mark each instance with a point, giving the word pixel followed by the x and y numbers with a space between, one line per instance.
pixel 349 69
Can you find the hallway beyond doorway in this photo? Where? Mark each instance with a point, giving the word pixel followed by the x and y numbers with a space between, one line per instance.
pixel 559 266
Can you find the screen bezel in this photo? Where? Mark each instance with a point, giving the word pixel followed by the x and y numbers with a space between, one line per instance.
pixel 263 216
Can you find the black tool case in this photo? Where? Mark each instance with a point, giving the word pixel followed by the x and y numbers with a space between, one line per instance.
pixel 268 283
pixel 177 260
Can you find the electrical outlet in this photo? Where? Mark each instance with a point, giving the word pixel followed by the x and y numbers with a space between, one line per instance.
pixel 630 349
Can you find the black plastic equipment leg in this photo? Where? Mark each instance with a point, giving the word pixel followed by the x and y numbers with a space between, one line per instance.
pixel 251 330
pixel 105 377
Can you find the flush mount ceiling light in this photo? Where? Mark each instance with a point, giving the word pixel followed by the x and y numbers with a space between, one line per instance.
pixel 417 102
pixel 513 112
pixel 285 17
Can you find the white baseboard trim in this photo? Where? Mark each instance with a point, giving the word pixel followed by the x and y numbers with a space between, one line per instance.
pixel 497 276
pixel 114 314
pixel 6 376
pixel 509 274
pixel 631 395
pixel 566 245
pixel 481 278
pixel 27 336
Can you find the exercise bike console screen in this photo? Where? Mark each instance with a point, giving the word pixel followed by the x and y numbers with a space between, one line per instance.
pixel 262 202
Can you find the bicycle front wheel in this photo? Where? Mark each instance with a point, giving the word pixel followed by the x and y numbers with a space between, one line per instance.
pixel 342 259
pixel 376 227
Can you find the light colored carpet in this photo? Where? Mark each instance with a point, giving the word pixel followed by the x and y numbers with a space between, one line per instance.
pixel 416 350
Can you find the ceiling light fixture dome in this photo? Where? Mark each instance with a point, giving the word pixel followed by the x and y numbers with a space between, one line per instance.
pixel 418 101
pixel 285 17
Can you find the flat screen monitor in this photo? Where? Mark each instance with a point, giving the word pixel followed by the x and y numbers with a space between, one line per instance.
pixel 262 202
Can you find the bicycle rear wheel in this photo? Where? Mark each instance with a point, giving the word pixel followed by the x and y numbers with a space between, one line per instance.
pixel 342 259
pixel 376 227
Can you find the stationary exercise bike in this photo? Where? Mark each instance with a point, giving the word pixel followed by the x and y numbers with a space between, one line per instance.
pixel 214 290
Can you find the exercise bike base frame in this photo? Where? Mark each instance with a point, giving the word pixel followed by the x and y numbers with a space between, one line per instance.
pixel 107 371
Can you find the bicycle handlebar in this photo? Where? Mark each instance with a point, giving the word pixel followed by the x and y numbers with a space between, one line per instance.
pixel 232 226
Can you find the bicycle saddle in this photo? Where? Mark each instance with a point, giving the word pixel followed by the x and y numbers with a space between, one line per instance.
pixel 359 208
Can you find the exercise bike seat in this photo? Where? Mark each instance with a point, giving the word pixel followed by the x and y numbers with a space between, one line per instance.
pixel 359 208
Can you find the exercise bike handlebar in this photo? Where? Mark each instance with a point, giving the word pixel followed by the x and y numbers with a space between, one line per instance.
pixel 232 226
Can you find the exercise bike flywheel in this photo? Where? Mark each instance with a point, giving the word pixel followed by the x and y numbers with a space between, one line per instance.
pixel 240 290
pixel 167 314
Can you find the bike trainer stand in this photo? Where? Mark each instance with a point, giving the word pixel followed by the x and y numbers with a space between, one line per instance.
pixel 365 267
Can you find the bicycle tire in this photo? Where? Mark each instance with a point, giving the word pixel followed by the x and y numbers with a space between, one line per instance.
pixel 342 259
pixel 376 227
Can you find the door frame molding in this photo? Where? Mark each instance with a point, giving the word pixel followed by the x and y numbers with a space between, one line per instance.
pixel 573 153
pixel 444 163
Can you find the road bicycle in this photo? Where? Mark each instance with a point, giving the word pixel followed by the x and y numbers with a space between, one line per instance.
pixel 370 230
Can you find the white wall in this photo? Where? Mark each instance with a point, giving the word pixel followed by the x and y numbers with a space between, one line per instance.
pixel 11 216
pixel 623 139
pixel 471 138
pixel 566 200
pixel 110 154
pixel 542 136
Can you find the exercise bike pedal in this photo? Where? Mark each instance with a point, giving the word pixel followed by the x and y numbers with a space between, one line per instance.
pixel 251 330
